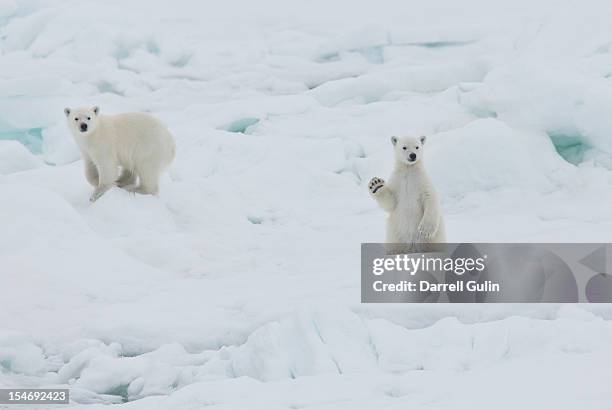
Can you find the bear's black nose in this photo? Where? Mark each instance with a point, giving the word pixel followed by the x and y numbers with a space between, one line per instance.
pixel 83 127
pixel 412 156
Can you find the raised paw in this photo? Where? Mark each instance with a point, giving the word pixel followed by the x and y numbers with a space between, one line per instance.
pixel 375 184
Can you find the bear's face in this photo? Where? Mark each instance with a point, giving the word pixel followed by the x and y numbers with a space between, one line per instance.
pixel 82 121
pixel 408 150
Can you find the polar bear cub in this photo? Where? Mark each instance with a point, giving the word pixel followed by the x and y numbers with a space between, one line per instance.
pixel 409 197
pixel 127 150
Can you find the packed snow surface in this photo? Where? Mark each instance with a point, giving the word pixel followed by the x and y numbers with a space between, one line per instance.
pixel 238 287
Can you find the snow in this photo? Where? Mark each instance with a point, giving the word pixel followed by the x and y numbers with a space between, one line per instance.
pixel 238 287
pixel 14 157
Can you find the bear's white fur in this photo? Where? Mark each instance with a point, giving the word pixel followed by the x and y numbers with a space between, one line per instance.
pixel 409 197
pixel 128 150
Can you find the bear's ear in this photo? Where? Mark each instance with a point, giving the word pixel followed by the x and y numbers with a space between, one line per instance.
pixel 423 139
pixel 393 140
pixel 67 111
pixel 96 110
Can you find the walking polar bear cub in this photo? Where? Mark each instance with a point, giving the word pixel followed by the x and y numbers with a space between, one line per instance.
pixel 409 197
pixel 137 143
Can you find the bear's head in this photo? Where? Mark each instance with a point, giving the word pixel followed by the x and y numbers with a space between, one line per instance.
pixel 82 121
pixel 408 150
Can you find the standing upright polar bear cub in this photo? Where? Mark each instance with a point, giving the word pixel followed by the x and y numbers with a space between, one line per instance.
pixel 409 197
pixel 137 142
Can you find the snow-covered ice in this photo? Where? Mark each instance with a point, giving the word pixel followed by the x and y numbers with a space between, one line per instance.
pixel 238 287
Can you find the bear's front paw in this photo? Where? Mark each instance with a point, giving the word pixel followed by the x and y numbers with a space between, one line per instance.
pixel 97 193
pixel 375 185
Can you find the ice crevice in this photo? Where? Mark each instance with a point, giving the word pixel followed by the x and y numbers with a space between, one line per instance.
pixel 31 138
pixel 242 125
pixel 572 147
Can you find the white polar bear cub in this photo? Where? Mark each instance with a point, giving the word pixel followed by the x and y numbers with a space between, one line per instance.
pixel 137 142
pixel 409 197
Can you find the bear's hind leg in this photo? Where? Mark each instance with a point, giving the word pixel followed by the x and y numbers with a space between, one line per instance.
pixel 149 180
pixel 126 179
pixel 395 242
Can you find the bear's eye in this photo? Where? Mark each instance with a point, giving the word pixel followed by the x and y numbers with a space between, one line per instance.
pixel 417 147
pixel 76 119
pixel 88 118
pixel 404 148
